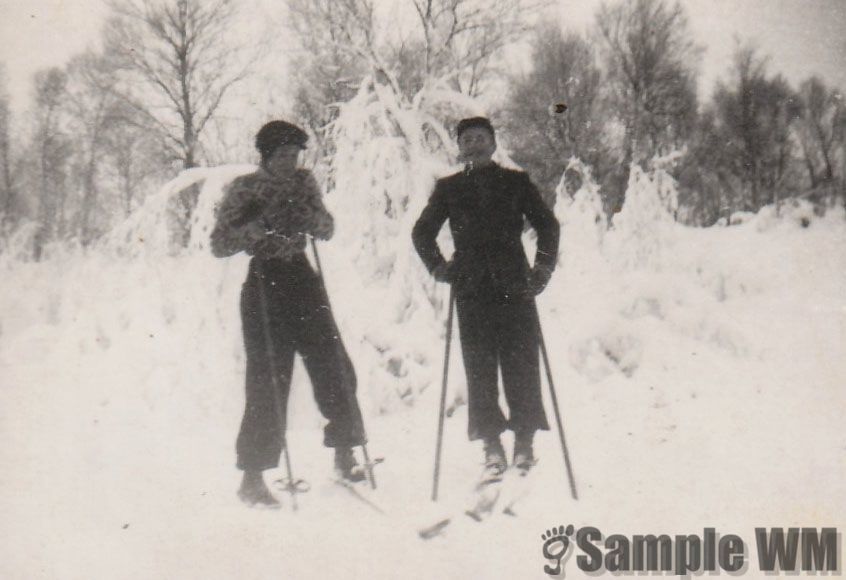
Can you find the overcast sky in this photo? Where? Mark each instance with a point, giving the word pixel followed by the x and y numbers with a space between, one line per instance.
pixel 802 37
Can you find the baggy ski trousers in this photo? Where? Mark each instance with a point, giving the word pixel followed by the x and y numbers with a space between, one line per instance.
pixel 501 336
pixel 285 310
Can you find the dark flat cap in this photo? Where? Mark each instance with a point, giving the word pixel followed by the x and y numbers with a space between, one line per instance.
pixel 277 133
pixel 482 122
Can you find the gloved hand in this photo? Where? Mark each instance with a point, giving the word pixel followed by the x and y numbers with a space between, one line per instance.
pixel 444 272
pixel 256 237
pixel 539 278
pixel 254 232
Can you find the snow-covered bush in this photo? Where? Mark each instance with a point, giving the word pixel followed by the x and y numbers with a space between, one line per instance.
pixel 582 219
pixel 644 229
pixel 389 152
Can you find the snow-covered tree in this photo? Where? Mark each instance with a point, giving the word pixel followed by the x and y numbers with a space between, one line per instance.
pixel 91 105
pixel 9 204
pixel 455 44
pixel 388 153
pixel 650 62
pixel 51 152
pixel 579 209
pixel 644 229
pixel 755 112
pixel 820 134
pixel 553 112
pixel 181 61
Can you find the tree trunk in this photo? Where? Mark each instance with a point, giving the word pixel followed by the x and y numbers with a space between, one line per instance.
pixel 89 199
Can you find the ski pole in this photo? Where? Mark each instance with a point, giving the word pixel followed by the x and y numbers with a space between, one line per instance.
pixel 292 485
pixel 557 415
pixel 368 465
pixel 440 439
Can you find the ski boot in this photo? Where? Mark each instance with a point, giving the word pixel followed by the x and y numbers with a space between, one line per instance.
pixel 254 491
pixel 346 465
pixel 524 457
pixel 495 461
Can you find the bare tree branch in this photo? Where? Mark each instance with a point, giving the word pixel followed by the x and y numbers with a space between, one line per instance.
pixel 181 52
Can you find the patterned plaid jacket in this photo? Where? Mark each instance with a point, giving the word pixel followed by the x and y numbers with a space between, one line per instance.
pixel 287 208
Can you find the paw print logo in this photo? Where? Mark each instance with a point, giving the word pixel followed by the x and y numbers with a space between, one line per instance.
pixel 556 541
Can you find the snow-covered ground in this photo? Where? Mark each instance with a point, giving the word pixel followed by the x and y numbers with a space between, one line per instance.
pixel 700 374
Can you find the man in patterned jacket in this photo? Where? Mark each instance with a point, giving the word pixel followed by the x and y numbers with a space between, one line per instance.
pixel 494 286
pixel 284 310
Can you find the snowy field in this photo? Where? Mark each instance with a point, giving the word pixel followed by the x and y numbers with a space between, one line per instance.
pixel 700 374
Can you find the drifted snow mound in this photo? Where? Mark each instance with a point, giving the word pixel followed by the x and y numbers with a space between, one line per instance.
pixel 646 289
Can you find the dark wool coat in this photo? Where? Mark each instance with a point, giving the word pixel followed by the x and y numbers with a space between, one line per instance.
pixel 486 208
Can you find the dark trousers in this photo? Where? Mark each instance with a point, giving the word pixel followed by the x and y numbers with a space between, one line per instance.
pixel 501 336
pixel 285 310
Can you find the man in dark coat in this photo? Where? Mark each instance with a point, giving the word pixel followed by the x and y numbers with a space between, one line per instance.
pixel 285 310
pixel 494 286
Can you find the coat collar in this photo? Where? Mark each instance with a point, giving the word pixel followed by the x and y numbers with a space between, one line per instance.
pixel 266 175
pixel 489 168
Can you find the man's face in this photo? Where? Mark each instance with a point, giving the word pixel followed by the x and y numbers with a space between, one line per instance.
pixel 476 145
pixel 283 160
